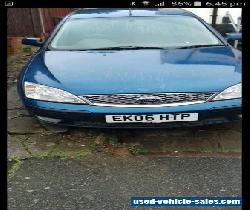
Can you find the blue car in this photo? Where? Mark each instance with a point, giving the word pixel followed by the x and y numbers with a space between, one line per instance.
pixel 132 68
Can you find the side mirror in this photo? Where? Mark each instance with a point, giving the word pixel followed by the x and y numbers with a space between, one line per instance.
pixel 233 36
pixel 32 41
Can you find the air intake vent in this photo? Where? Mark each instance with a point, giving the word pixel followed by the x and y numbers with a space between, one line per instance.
pixel 148 99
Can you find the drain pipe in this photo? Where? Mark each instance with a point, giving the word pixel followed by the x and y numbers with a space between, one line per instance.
pixel 214 16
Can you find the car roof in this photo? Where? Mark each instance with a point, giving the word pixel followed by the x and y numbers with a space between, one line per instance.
pixel 95 13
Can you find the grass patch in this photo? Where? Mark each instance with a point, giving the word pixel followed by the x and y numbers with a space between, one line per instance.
pixel 62 154
pixel 135 149
pixel 16 163
pixel 65 153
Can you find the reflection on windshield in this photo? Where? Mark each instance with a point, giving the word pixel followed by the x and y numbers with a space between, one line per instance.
pixel 158 32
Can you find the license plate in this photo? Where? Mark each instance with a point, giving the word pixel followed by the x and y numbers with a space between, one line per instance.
pixel 154 118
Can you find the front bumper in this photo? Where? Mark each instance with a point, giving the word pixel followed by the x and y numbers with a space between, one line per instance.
pixel 94 116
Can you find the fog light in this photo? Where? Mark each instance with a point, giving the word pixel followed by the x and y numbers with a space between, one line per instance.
pixel 48 119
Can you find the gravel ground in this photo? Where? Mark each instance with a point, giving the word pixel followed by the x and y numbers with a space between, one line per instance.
pixel 102 182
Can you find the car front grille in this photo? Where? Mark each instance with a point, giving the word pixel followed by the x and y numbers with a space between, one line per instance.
pixel 148 99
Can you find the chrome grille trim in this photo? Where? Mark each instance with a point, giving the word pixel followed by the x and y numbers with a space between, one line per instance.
pixel 148 100
pixel 147 106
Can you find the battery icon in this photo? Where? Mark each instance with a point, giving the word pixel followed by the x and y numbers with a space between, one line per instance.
pixel 197 3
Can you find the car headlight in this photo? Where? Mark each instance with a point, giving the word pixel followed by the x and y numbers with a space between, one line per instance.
pixel 46 93
pixel 229 93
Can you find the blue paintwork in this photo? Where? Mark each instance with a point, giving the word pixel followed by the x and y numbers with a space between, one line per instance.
pixel 203 69
pixel 137 71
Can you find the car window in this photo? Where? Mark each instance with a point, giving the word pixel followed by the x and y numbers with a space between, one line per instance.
pixel 167 31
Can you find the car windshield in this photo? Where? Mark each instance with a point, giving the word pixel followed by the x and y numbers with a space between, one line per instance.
pixel 158 32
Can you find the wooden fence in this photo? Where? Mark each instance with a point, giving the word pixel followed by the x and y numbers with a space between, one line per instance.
pixel 32 21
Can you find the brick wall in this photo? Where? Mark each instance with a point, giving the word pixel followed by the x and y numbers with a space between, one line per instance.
pixel 14 44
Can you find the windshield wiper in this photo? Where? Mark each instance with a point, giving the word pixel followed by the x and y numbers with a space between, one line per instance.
pixel 124 48
pixel 200 45
pixel 138 48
